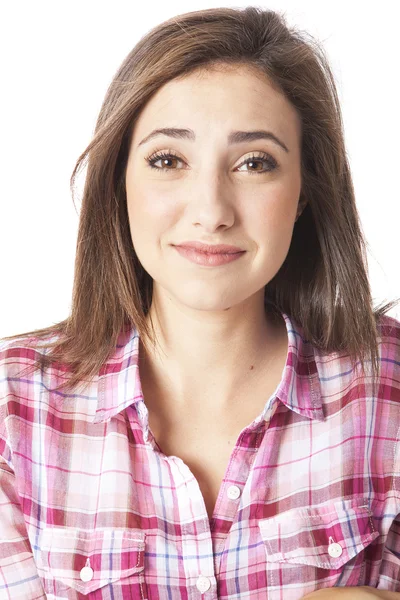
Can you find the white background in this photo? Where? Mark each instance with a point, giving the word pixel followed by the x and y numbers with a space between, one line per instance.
pixel 57 60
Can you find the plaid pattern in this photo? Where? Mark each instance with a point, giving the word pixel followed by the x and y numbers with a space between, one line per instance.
pixel 91 508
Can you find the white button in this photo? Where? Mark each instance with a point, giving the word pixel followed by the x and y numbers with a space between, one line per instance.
pixel 86 573
pixel 203 584
pixel 233 492
pixel 335 550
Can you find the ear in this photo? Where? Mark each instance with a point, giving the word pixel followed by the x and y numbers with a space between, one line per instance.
pixel 301 206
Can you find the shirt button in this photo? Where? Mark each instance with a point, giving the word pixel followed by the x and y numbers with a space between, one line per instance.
pixel 86 573
pixel 233 492
pixel 335 550
pixel 203 584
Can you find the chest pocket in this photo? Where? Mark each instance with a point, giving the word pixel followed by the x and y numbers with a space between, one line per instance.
pixel 318 546
pixel 87 560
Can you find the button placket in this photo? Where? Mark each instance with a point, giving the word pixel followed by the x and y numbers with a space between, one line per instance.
pixel 233 492
pixel 197 539
pixel 203 584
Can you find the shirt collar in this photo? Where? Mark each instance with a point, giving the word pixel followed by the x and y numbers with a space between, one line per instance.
pixel 118 382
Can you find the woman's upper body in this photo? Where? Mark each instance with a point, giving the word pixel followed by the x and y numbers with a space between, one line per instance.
pixel 310 495
pixel 247 457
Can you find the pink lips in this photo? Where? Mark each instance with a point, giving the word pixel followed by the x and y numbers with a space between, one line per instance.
pixel 203 254
pixel 211 248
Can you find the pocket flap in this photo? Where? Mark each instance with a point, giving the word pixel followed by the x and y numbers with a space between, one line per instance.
pixel 305 535
pixel 108 555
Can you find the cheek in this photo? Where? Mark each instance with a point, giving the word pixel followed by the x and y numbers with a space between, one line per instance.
pixel 272 215
pixel 150 215
pixel 144 204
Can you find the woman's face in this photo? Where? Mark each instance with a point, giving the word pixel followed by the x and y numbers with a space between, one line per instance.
pixel 214 189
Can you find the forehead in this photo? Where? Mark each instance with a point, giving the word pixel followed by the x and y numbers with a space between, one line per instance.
pixel 221 91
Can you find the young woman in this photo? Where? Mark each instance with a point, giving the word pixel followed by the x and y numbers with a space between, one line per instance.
pixel 218 416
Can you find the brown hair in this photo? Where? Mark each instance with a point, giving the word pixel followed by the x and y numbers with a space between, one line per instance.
pixel 322 284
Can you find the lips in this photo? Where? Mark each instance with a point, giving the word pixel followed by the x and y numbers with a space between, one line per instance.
pixel 208 259
pixel 210 248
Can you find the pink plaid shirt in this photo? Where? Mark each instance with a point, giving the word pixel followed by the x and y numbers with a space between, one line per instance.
pixel 91 508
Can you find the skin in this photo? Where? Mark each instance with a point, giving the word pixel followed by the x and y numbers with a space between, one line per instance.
pixel 212 320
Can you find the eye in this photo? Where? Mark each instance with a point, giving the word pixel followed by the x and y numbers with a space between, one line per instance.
pixel 168 157
pixel 262 158
pixel 164 157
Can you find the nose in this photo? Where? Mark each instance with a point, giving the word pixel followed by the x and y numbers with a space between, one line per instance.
pixel 211 201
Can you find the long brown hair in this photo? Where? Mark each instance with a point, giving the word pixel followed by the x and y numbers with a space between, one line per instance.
pixel 323 283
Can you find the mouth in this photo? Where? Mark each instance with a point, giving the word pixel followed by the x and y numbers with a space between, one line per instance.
pixel 210 248
pixel 212 259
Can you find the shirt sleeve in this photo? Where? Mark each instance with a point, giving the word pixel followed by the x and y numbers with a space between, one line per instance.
pixel 19 579
pixel 389 572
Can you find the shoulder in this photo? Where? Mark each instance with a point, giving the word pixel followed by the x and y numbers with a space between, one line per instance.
pixel 389 390
pixel 17 363
pixel 21 353
pixel 389 338
pixel 389 357
pixel 29 395
pixel 21 375
pixel 337 365
pixel 341 382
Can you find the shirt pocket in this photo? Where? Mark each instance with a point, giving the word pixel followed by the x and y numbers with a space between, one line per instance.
pixel 318 546
pixel 87 560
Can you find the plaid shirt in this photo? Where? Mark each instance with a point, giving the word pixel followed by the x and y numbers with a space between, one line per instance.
pixel 91 508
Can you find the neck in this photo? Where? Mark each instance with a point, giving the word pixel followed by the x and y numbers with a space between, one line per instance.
pixel 204 356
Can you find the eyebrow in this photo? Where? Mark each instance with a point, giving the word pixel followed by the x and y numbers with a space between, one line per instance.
pixel 235 137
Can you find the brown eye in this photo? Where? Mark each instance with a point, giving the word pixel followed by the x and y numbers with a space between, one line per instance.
pixel 264 158
pixel 165 158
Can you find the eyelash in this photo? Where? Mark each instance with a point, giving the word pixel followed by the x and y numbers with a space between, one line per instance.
pixel 153 158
